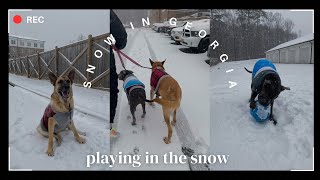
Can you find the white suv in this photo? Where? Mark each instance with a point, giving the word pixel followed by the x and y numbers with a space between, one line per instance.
pixel 191 37
pixel 176 34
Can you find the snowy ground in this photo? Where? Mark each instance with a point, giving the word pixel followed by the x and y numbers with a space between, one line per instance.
pixel 192 73
pixel 28 148
pixel 256 146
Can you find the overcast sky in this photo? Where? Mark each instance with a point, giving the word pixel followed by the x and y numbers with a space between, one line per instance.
pixel 61 26
pixel 303 20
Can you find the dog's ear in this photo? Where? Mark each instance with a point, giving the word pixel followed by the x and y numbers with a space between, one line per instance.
pixel 284 88
pixel 119 76
pixel 151 62
pixel 129 72
pixel 52 77
pixel 163 62
pixel 71 75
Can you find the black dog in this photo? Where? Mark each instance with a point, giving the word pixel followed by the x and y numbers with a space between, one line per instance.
pixel 135 92
pixel 266 84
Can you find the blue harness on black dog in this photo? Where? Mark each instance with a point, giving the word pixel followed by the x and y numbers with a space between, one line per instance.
pixel 132 82
pixel 262 68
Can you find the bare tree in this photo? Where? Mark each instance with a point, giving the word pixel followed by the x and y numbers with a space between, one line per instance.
pixel 288 27
pixel 246 34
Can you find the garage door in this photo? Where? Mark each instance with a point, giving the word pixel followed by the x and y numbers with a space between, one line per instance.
pixel 304 55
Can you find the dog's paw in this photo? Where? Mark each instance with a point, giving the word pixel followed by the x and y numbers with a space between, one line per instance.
pixel 143 115
pixel 166 140
pixel 173 123
pixel 133 123
pixel 152 104
pixel 273 120
pixel 50 152
pixel 59 141
pixel 252 105
pixel 81 140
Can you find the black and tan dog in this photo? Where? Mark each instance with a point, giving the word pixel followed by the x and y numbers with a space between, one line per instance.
pixel 165 86
pixel 58 114
pixel 266 84
pixel 135 92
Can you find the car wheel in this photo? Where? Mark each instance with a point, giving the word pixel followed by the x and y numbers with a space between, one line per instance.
pixel 203 45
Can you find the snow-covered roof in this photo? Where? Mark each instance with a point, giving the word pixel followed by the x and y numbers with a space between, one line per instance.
pixel 299 40
pixel 24 37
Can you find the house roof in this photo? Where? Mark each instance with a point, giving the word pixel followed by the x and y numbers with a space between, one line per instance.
pixel 24 37
pixel 299 40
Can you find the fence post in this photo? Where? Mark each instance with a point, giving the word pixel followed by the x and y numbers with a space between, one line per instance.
pixel 89 55
pixel 28 68
pixel 39 68
pixel 57 59
pixel 21 68
pixel 14 65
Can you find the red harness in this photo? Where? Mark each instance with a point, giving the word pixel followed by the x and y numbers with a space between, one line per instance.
pixel 156 76
pixel 47 113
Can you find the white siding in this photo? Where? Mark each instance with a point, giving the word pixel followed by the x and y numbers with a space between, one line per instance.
pixel 297 54
pixel 305 53
pixel 312 59
pixel 275 56
pixel 284 55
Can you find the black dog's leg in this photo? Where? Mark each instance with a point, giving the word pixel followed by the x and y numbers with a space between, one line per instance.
pixel 133 109
pixel 271 115
pixel 128 99
pixel 143 109
pixel 252 102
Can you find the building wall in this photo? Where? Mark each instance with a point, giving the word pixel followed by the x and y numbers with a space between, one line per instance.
pixel 29 43
pixel 20 47
pixel 273 56
pixel 296 54
pixel 15 52
pixel 312 58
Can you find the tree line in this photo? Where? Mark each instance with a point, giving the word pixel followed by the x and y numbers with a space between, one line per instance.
pixel 247 34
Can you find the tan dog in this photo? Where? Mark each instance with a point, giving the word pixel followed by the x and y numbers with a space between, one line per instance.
pixel 162 84
pixel 58 114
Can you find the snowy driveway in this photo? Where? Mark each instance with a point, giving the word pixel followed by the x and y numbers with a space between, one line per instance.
pixel 192 73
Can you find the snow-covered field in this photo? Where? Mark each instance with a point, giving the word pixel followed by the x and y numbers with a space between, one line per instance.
pixel 256 146
pixel 192 73
pixel 28 147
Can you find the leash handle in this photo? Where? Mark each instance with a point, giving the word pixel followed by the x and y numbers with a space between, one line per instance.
pixel 130 59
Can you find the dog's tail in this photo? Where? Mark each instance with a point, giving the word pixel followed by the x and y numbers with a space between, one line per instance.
pixel 160 101
pixel 247 70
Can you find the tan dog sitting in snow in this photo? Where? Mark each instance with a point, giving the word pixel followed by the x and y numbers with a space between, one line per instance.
pixel 166 87
pixel 58 114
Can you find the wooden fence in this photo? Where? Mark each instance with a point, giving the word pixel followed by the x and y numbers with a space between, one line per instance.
pixel 62 59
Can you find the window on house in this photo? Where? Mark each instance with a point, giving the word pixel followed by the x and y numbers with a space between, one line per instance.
pixel 28 44
pixel 13 42
pixel 41 45
pixel 21 43
pixel 35 45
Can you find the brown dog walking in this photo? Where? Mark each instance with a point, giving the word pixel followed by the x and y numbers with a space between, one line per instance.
pixel 165 86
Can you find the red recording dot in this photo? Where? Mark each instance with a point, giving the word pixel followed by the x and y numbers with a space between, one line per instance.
pixel 17 19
